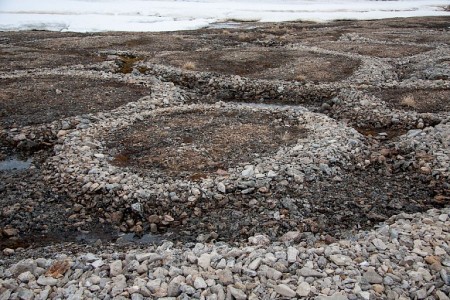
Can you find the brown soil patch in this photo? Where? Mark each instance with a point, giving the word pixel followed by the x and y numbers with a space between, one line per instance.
pixel 410 36
pixel 420 100
pixel 267 64
pixel 213 140
pixel 21 58
pixel 377 50
pixel 43 99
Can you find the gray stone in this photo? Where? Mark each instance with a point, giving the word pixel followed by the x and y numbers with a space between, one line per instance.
pixel 285 290
pixel 379 244
pixel 221 187
pixel 199 283
pixel 248 172
pixel 187 289
pixel 372 276
pixel 445 276
pixel 335 296
pixel 118 285
pixel 153 285
pixel 204 261
pixel 441 295
pixel 421 294
pixel 303 289
pixel 115 268
pixel 307 272
pixel 237 293
pixel 225 276
pixel 26 277
pixel 25 294
pixel 443 217
pixel 340 260
pixel 255 263
pixel 23 266
pixel 259 239
pixel 5 295
pixel 291 236
pixel 150 257
pixel 173 290
pixel 273 274
pixel 137 296
pixel 47 281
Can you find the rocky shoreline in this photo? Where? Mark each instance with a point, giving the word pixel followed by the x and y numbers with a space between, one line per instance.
pixel 248 179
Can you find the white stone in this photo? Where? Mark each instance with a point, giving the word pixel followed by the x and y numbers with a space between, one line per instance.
pixel 199 283
pixel 443 217
pixel 204 261
pixel 248 171
pixel 303 289
pixel 365 295
pixel 292 254
pixel 115 268
pixel 255 263
pixel 26 277
pixel 221 187
pixel 439 251
pixel 47 281
pixel 271 174
pixel 340 260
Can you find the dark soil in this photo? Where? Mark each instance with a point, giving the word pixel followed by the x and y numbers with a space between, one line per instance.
pixel 260 63
pixel 359 201
pixel 376 50
pixel 214 140
pixel 43 99
pixel 420 100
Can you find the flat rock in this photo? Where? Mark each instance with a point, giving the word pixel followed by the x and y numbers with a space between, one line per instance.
pixel 335 296
pixel 340 260
pixel 115 268
pixel 204 261
pixel 47 281
pixel 237 293
pixel 372 276
pixel 225 276
pixel 307 272
pixel 285 290
pixel 379 244
pixel 291 236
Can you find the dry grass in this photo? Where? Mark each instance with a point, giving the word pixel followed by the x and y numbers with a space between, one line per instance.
pixel 189 65
pixel 245 37
pixel 409 101
pixel 300 77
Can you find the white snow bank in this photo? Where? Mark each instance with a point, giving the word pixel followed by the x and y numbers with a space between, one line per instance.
pixel 169 15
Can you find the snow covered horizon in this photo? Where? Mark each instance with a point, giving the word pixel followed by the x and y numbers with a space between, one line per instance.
pixel 171 15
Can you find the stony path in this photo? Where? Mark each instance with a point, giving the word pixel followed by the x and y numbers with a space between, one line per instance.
pixel 351 202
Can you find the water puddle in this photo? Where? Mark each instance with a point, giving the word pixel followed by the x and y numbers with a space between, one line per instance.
pixel 15 164
pixel 108 235
pixel 146 239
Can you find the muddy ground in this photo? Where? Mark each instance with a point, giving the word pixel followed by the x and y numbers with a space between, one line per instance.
pixel 52 77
